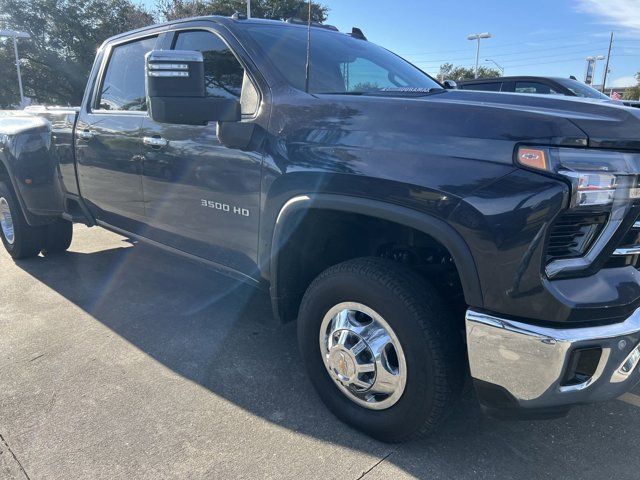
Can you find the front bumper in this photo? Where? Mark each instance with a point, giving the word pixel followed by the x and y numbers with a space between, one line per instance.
pixel 520 367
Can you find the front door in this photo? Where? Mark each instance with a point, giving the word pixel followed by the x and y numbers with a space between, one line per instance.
pixel 108 139
pixel 201 196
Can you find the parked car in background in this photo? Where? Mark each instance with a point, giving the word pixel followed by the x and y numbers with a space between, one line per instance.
pixel 535 85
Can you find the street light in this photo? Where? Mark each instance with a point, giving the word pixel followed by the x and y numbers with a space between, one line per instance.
pixel 478 37
pixel 501 68
pixel 15 36
pixel 595 63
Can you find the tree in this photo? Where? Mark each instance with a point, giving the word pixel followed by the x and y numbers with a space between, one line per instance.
pixel 457 74
pixel 273 9
pixel 9 95
pixel 65 35
pixel 633 93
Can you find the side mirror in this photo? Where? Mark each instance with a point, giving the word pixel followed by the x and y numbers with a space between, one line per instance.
pixel 176 90
pixel 450 85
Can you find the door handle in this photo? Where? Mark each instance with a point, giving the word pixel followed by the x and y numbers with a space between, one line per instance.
pixel 156 142
pixel 85 134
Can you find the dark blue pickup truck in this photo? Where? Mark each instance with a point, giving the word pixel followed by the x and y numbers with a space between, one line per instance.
pixel 420 236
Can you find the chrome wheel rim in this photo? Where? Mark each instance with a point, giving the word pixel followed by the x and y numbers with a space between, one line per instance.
pixel 363 355
pixel 6 221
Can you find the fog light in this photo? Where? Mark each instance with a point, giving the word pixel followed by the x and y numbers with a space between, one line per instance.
pixel 631 362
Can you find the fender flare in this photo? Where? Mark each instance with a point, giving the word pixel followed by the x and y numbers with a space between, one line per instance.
pixel 14 186
pixel 31 219
pixel 428 224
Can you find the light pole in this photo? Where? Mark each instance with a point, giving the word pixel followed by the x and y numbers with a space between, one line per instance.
pixel 501 68
pixel 595 63
pixel 248 8
pixel 478 37
pixel 606 66
pixel 15 36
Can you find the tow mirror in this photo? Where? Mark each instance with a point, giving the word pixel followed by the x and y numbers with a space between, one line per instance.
pixel 450 85
pixel 176 93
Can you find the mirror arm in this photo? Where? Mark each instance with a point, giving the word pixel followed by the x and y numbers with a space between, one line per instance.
pixel 240 135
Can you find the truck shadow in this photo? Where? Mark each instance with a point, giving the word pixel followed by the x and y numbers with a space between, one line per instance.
pixel 218 333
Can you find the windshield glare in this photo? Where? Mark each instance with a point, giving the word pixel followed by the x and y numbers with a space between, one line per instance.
pixel 339 63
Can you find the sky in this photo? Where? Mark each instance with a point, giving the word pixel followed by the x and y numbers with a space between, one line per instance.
pixel 530 37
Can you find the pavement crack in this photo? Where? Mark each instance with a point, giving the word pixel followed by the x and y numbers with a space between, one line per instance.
pixel 375 465
pixel 4 442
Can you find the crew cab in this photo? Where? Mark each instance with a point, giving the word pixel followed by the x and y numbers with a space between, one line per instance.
pixel 419 236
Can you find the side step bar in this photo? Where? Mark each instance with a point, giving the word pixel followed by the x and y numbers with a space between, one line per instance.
pixel 78 212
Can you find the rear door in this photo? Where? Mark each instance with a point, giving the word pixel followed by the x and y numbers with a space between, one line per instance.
pixel 203 197
pixel 108 141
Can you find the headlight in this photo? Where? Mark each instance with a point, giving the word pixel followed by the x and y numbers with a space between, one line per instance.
pixel 598 177
pixel 604 185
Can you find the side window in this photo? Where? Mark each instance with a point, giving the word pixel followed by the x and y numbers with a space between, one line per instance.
pixel 486 87
pixel 534 87
pixel 123 84
pixel 223 74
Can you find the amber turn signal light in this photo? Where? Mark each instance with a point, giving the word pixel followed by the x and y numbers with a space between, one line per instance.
pixel 533 158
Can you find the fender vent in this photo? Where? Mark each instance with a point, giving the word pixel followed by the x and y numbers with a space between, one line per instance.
pixel 573 233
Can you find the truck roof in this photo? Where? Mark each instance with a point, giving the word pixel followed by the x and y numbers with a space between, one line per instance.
pixel 226 21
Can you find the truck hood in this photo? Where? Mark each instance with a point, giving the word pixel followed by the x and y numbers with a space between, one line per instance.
pixel 606 124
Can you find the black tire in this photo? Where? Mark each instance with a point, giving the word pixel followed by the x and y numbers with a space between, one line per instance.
pixel 57 237
pixel 27 240
pixel 432 345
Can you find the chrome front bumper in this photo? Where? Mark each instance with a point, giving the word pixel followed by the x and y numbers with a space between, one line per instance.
pixel 522 366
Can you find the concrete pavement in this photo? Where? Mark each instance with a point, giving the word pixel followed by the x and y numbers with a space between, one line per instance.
pixel 121 361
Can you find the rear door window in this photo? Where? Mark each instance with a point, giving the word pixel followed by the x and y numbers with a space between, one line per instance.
pixel 534 87
pixel 487 87
pixel 122 88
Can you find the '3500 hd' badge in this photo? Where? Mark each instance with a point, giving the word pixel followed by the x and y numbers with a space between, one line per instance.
pixel 224 207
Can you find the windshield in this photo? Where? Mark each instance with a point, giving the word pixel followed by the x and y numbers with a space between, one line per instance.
pixel 581 89
pixel 339 62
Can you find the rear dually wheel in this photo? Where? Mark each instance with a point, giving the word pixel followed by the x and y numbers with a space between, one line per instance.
pixel 20 239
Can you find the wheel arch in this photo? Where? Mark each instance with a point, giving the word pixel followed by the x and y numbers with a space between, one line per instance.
pixel 7 177
pixel 431 226
pixel 10 179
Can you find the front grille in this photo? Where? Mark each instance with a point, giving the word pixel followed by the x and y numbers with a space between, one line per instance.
pixel 572 234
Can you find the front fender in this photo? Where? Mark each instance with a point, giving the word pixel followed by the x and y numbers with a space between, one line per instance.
pixel 430 225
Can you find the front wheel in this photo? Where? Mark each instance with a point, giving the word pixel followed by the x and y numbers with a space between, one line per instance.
pixel 381 348
pixel 20 239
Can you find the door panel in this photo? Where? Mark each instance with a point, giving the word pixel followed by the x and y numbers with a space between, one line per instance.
pixel 201 196
pixel 108 151
pixel 108 142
